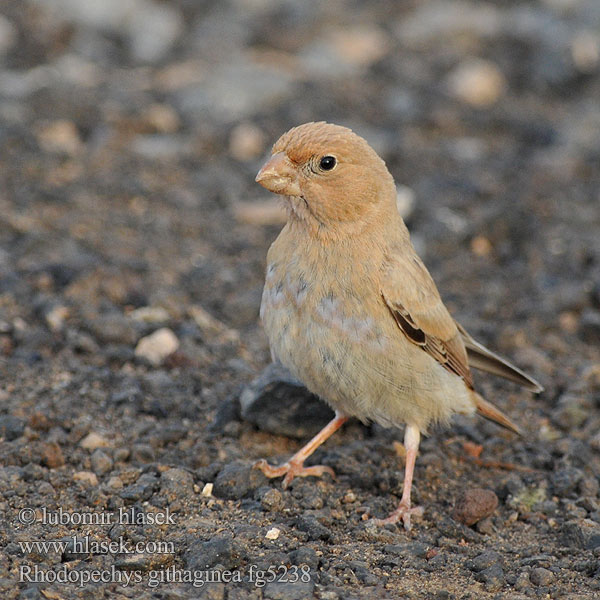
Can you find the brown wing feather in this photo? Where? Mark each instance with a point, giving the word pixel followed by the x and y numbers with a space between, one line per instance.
pixel 482 358
pixel 412 297
pixel 449 353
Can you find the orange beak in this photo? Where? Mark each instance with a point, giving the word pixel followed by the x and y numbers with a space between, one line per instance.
pixel 279 175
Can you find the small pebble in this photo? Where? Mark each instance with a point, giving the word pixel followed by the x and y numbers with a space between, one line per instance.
pixel 246 142
pixel 52 455
pixel 273 533
pixel 272 500
pixel 94 440
pixel 541 577
pixel 176 483
pixel 86 477
pixel 150 314
pixel 157 346
pixel 59 136
pixel 236 480
pixel 11 427
pixel 349 497
pixel 477 82
pixel 492 577
pixel 114 483
pixel 162 118
pixel 474 504
pixel 405 200
pixel 101 462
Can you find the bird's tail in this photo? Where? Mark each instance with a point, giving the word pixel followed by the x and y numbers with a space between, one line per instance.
pixel 481 358
pixel 489 411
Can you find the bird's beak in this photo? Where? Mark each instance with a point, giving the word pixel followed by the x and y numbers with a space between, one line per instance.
pixel 279 175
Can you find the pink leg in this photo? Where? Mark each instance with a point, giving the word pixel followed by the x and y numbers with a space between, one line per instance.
pixel 295 466
pixel 412 436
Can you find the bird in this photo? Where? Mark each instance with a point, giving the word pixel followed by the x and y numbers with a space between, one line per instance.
pixel 352 312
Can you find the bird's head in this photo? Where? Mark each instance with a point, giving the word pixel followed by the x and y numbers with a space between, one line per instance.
pixel 330 175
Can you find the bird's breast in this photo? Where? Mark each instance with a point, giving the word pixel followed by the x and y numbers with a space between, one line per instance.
pixel 316 318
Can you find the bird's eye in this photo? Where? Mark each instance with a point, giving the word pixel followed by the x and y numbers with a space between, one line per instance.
pixel 327 163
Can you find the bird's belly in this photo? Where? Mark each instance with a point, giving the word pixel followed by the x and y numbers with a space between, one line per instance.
pixel 351 354
pixel 354 357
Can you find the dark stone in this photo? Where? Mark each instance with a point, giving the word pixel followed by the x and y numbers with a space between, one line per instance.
pixel 572 535
pixel 484 561
pixel 270 498
pixel 113 328
pixel 11 427
pixel 589 328
pixel 540 576
pixel 142 453
pixel 220 550
pixel 176 483
pixel 237 480
pixel 298 590
pixel 453 529
pixel 417 549
pixel 142 489
pixel 101 462
pixel 565 481
pixel 362 572
pixel 511 486
pixel 277 403
pixel 492 577
pixel 305 556
pixel 315 530
pixel 228 411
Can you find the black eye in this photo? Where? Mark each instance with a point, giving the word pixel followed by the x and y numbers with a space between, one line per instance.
pixel 327 163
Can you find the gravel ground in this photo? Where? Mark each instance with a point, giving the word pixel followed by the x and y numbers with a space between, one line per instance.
pixel 132 248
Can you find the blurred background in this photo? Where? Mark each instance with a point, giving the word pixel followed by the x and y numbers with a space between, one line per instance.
pixel 131 131
pixel 133 237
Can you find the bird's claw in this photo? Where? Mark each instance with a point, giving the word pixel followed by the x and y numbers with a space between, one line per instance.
pixel 403 513
pixel 291 469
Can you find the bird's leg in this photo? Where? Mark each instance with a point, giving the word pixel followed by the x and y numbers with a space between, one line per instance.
pixel 295 466
pixel 412 436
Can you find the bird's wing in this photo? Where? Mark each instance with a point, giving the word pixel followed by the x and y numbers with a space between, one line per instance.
pixel 486 360
pixel 414 301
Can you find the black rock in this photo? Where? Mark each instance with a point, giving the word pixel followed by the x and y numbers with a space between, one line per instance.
pixel 228 411
pixel 565 481
pixel 315 530
pixel 304 556
pixel 484 561
pixel 453 529
pixel 142 489
pixel 11 427
pixel 417 549
pixel 541 576
pixel 221 550
pixel 572 535
pixel 176 484
pixel 590 326
pixel 277 403
pixel 237 480
pixel 491 577
pixel 298 590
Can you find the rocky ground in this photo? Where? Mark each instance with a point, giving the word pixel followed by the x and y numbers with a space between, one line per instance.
pixel 132 249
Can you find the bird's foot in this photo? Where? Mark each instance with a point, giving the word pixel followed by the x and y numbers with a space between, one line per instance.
pixel 291 469
pixel 403 513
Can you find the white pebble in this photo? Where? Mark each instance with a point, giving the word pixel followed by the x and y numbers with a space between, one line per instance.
pixel 94 440
pixel 477 82
pixel 157 346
